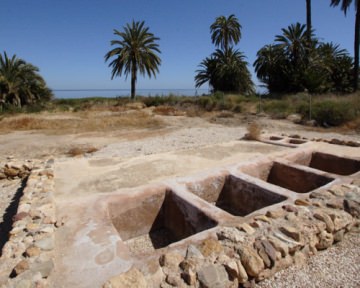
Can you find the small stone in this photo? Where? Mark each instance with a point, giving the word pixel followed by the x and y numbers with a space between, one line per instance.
pixel 32 251
pixel 171 260
pixel 290 208
pixel 20 216
pixel 21 267
pixel 192 251
pixel 242 277
pixel 270 251
pixel 246 227
pixel 261 251
pixel 326 219
pixel 352 207
pixel 211 246
pixel 299 258
pixel 11 172
pixel 302 202
pixel 262 218
pixel 174 280
pixel 251 261
pixel 278 213
pixel 290 243
pixel 339 236
pixel 279 246
pixel 232 234
pixel 325 240
pixel 232 268
pixel 32 227
pixel 291 232
pixel 189 277
pixel 132 278
pixel 213 275
pixel 44 268
pixel 45 244
pixel 340 218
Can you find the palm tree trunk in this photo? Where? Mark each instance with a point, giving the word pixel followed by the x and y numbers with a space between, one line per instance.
pixel 356 47
pixel 308 21
pixel 133 81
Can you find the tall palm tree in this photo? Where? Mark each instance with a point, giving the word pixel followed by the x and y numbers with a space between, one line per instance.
pixel 225 32
pixel 308 21
pixel 345 5
pixel 135 51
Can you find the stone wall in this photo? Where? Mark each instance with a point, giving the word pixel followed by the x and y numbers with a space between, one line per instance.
pixel 256 249
pixel 27 257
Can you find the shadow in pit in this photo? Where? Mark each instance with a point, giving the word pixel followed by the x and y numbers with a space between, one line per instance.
pixel 176 220
pixel 10 212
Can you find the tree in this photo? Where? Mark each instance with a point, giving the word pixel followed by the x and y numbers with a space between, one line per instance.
pixel 308 21
pixel 225 71
pixel 135 52
pixel 225 32
pixel 293 64
pixel 345 5
pixel 20 82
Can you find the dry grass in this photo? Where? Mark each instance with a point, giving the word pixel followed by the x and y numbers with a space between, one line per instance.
pixel 167 111
pixel 80 122
pixel 254 132
pixel 80 151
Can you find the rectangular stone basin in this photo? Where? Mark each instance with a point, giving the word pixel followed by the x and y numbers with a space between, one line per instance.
pixel 234 195
pixel 288 177
pixel 154 221
pixel 333 164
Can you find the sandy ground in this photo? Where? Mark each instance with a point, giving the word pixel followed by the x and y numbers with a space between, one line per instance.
pixel 128 159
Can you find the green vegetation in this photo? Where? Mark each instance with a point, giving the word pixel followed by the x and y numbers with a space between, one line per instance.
pixel 226 69
pixel 20 84
pixel 345 4
pixel 134 52
pixel 293 65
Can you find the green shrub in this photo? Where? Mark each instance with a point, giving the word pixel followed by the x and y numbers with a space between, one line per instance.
pixel 329 113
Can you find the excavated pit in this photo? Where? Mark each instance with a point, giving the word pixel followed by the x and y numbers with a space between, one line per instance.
pixel 333 164
pixel 288 177
pixel 234 195
pixel 156 221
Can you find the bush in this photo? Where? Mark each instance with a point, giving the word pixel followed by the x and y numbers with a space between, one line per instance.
pixel 329 113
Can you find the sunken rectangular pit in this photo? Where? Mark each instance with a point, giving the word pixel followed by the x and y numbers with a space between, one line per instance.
pixel 155 221
pixel 334 164
pixel 234 195
pixel 288 177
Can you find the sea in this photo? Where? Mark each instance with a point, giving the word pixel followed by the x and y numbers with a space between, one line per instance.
pixel 114 93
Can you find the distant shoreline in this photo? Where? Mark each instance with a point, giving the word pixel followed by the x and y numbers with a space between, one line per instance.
pixel 113 93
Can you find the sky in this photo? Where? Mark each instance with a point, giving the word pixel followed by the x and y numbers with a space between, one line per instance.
pixel 67 39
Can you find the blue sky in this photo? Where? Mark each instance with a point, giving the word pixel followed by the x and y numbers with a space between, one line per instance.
pixel 67 39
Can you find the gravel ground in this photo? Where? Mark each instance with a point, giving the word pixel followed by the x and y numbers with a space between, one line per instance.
pixel 338 266
pixel 176 140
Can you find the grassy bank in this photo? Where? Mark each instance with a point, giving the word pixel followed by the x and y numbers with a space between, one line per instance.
pixel 327 110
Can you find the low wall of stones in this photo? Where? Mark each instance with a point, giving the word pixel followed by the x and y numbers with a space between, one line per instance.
pixel 256 249
pixel 27 257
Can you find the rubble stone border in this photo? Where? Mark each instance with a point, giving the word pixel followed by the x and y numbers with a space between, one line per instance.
pixel 27 257
pixel 256 249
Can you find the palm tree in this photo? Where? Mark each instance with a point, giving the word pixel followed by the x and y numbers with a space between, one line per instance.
pixel 308 21
pixel 135 52
pixel 225 32
pixel 345 4
pixel 20 82
pixel 225 71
